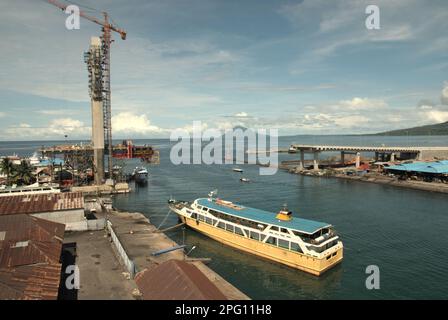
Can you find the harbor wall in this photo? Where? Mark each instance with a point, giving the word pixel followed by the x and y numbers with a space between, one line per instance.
pixel 121 252
pixel 417 185
pixel 433 154
pixel 103 189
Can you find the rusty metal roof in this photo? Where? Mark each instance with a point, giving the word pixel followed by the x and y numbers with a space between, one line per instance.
pixel 176 280
pixel 41 203
pixel 30 254
pixel 37 282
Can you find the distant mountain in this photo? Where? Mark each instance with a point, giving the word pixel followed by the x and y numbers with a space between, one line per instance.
pixel 439 129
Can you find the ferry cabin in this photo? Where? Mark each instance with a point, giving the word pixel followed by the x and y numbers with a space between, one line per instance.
pixel 308 245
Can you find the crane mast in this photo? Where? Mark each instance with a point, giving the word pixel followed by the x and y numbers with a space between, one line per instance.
pixel 106 39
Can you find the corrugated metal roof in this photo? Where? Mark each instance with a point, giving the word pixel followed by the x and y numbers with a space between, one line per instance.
pixel 41 203
pixel 437 167
pixel 30 254
pixel 38 282
pixel 176 280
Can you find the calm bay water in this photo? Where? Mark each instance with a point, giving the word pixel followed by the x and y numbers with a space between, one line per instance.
pixel 403 232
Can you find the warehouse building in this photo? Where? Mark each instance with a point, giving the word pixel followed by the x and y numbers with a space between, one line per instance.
pixel 30 258
pixel 65 208
pixel 420 170
pixel 176 280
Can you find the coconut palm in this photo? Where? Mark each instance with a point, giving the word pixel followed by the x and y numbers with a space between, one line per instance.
pixel 7 167
pixel 24 173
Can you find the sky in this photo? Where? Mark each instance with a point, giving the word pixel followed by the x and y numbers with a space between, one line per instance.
pixel 302 67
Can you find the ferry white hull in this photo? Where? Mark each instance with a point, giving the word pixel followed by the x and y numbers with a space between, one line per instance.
pixel 312 265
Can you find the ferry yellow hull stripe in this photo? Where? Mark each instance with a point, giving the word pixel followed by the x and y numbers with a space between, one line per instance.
pixel 296 260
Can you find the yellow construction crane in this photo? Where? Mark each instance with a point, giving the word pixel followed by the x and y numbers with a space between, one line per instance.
pixel 107 27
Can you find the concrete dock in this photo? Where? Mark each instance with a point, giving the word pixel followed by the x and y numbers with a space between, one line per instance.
pixel 140 238
pixel 102 277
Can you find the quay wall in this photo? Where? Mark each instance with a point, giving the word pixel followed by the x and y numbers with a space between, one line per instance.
pixel 417 185
pixel 121 252
pixel 433 154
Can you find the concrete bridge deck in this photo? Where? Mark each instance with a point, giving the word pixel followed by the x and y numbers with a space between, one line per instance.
pixel 312 148
pixel 383 152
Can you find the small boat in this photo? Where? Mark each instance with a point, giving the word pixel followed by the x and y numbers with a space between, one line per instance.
pixel 140 175
pixel 244 180
pixel 171 200
pixel 238 170
pixel 292 150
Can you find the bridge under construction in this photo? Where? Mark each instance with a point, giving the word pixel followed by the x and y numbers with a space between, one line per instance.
pixel 383 153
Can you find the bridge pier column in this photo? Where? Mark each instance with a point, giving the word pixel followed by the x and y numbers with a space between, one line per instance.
pixel 376 156
pixel 392 157
pixel 358 160
pixel 302 160
pixel 342 157
pixel 316 161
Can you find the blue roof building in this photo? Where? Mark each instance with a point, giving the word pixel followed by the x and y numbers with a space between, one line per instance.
pixel 54 162
pixel 434 167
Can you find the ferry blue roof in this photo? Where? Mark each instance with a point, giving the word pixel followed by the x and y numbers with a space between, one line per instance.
pixel 302 225
pixel 438 167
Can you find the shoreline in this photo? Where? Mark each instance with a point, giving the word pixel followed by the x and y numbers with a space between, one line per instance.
pixel 384 180
pixel 379 179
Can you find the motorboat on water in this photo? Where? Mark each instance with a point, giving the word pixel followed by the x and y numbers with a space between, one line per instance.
pixel 238 170
pixel 307 245
pixel 140 175
pixel 292 150
pixel 244 179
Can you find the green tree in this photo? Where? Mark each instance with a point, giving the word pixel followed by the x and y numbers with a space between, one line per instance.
pixel 7 167
pixel 24 173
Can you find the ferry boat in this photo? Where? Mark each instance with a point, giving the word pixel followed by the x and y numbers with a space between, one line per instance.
pixel 307 245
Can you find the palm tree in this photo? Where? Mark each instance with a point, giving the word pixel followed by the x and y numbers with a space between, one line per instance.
pixel 7 167
pixel 24 173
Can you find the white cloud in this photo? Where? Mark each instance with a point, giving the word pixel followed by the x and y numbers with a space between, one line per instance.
pixel 2 114
pixel 55 129
pixel 362 103
pixel 56 112
pixel 241 115
pixel 129 124
pixel 444 97
pixel 437 115
pixel 347 122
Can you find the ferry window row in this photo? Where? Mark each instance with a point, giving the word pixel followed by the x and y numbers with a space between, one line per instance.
pixel 252 234
pixel 241 221
pixel 325 247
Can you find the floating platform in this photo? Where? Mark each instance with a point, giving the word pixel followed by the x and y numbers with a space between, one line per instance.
pixel 124 150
